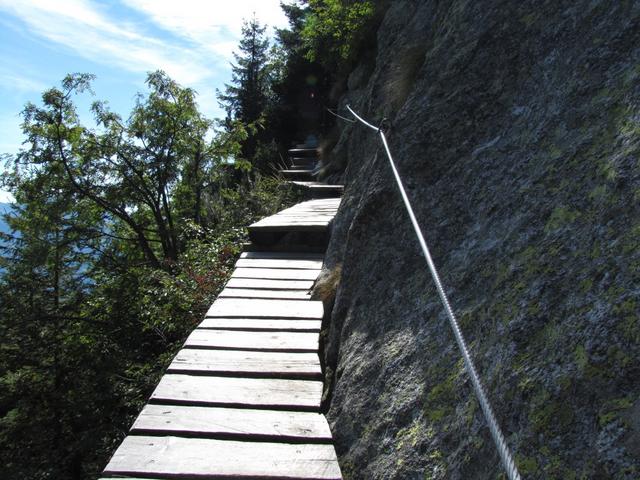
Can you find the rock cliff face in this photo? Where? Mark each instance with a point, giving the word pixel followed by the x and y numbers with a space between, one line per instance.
pixel 516 127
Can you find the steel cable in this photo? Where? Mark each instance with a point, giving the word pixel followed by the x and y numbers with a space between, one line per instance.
pixel 496 433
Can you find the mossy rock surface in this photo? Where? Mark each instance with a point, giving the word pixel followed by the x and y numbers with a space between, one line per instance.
pixel 519 144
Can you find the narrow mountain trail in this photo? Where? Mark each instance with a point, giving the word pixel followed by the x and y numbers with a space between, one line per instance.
pixel 242 398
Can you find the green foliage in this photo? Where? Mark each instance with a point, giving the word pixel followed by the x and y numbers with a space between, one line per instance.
pixel 247 97
pixel 334 29
pixel 122 237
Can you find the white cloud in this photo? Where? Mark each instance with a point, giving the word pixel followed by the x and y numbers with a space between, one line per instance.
pixel 83 29
pixel 206 31
pixel 192 40
pixel 205 21
pixel 14 81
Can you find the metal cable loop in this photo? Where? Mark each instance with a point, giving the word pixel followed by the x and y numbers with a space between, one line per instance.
pixel 496 433
pixel 340 116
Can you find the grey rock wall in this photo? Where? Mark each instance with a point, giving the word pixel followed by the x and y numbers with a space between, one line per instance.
pixel 516 126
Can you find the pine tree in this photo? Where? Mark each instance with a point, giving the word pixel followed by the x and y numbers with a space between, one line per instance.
pixel 247 97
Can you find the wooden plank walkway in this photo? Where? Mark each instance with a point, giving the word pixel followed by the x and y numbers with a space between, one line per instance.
pixel 241 399
pixel 303 226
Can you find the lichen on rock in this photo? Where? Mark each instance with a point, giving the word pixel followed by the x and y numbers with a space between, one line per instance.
pixel 517 132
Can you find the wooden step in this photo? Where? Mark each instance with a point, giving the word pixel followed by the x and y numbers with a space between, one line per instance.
pixel 265 393
pixel 295 166
pixel 292 342
pixel 275 273
pixel 232 423
pixel 244 363
pixel 303 152
pixel 321 190
pixel 303 163
pixel 261 324
pixel 282 256
pixel 304 226
pixel 260 283
pixel 266 294
pixel 279 263
pixel 189 458
pixel 266 308
pixel 300 174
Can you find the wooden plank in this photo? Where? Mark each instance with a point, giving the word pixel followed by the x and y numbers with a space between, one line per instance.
pixel 302 150
pixel 273 294
pixel 259 341
pixel 320 215
pixel 274 393
pixel 261 364
pixel 259 283
pixel 276 273
pixel 261 324
pixel 288 228
pixel 282 255
pixel 318 184
pixel 317 223
pixel 215 422
pixel 263 308
pixel 280 263
pixel 311 217
pixel 310 171
pixel 176 457
pixel 324 214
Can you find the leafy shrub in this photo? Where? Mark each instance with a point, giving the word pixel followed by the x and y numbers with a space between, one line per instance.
pixel 335 29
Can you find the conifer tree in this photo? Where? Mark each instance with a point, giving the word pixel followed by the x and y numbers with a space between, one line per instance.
pixel 246 98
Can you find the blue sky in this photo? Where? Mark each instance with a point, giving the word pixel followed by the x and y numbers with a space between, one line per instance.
pixel 119 41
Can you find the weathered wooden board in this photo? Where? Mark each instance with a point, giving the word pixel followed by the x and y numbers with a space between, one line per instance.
pixel 280 228
pixel 249 424
pixel 267 341
pixel 176 457
pixel 265 308
pixel 230 362
pixel 328 206
pixel 269 284
pixel 276 273
pixel 280 263
pixel 261 324
pixel 310 209
pixel 319 185
pixel 275 393
pixel 302 151
pixel 318 216
pixel 273 294
pixel 311 218
pixel 297 171
pixel 282 256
